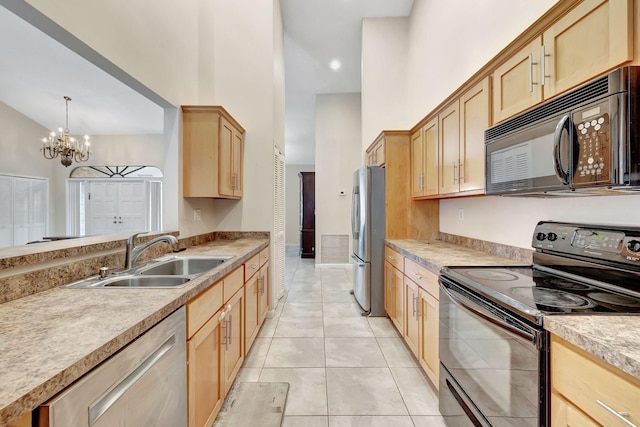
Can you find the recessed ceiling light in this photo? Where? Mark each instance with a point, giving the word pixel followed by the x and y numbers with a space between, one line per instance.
pixel 335 64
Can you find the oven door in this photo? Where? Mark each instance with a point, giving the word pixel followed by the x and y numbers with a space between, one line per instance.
pixel 493 365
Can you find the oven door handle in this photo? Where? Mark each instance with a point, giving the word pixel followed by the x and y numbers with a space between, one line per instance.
pixel 534 337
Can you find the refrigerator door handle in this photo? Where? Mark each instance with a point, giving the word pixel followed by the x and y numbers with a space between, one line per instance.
pixel 357 261
pixel 355 213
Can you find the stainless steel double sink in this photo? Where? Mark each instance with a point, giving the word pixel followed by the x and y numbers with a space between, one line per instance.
pixel 173 272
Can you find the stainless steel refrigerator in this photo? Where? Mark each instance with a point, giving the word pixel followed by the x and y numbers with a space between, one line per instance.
pixel 368 232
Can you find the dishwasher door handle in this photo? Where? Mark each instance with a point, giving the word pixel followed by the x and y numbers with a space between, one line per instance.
pixel 102 404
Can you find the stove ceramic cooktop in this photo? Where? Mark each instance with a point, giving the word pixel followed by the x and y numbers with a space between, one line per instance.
pixel 538 293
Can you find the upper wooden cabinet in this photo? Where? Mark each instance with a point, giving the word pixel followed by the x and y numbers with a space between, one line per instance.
pixel 593 37
pixel 212 153
pixel 475 118
pixel 376 153
pixel 447 153
pixel 424 160
pixel 395 152
pixel 449 144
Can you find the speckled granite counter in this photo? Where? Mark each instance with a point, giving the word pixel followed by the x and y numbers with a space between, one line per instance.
pixel 50 339
pixel 614 339
pixel 437 254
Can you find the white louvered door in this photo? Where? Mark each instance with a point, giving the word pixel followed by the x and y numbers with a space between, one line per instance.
pixel 278 226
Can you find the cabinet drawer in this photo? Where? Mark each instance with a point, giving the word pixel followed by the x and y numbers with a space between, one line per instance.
pixel 584 380
pixel 264 256
pixel 232 283
pixel 251 266
pixel 422 276
pixel 394 258
pixel 202 307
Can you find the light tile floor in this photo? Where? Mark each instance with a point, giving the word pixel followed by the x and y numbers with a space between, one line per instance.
pixel 344 370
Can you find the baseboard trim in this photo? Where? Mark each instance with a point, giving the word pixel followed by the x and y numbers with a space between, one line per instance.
pixel 348 265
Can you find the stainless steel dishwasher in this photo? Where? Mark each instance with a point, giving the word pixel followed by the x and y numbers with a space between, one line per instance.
pixel 144 384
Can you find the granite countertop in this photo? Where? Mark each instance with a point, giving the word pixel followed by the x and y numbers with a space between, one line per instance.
pixel 614 339
pixel 50 339
pixel 437 254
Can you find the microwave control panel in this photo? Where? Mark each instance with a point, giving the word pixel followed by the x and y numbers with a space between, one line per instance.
pixel 593 129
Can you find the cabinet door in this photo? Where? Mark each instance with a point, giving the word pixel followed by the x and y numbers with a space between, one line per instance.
pixel 251 297
pixel 263 293
pixel 238 152
pixel 233 341
pixel 592 38
pixel 205 392
pixel 389 292
pixel 564 414
pixel 428 336
pixel 474 119
pixel 378 154
pixel 516 83
pixel 449 143
pixel 417 168
pixel 430 172
pixel 397 289
pixel 411 318
pixel 226 160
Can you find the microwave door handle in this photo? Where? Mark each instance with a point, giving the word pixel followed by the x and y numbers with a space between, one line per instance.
pixel 562 125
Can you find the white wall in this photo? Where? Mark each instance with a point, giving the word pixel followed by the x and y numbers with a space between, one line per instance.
pixel 338 155
pixel 384 77
pixel 292 196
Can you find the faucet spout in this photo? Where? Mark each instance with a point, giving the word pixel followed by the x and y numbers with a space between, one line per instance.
pixel 133 251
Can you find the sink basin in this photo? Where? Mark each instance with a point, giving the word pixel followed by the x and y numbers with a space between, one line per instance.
pixel 184 266
pixel 132 281
pixel 171 273
pixel 146 282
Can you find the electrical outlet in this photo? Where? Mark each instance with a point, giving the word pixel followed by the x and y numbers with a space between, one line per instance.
pixel 196 215
pixel 461 214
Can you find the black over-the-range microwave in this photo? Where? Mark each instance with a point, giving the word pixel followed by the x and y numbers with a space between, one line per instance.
pixel 585 141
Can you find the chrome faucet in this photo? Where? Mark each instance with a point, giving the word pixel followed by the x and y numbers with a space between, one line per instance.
pixel 133 251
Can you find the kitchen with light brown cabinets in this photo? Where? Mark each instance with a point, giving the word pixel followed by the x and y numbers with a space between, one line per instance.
pixel 213 144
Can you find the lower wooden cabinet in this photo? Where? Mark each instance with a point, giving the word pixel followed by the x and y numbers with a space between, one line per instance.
pixel 588 391
pixel 411 302
pixel 263 293
pixel 222 323
pixel 564 414
pixel 251 321
pixel 205 393
pixel 428 335
pixel 394 300
pixel 232 344
pixel 411 315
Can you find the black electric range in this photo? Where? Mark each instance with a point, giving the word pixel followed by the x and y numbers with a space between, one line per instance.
pixel 494 351
pixel 577 269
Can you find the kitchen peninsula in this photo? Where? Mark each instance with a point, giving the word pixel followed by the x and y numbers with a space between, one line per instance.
pixel 51 338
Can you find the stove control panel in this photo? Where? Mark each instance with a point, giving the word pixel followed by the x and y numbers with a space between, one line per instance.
pixel 613 244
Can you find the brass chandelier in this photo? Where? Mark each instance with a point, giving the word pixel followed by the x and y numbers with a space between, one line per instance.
pixel 64 145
